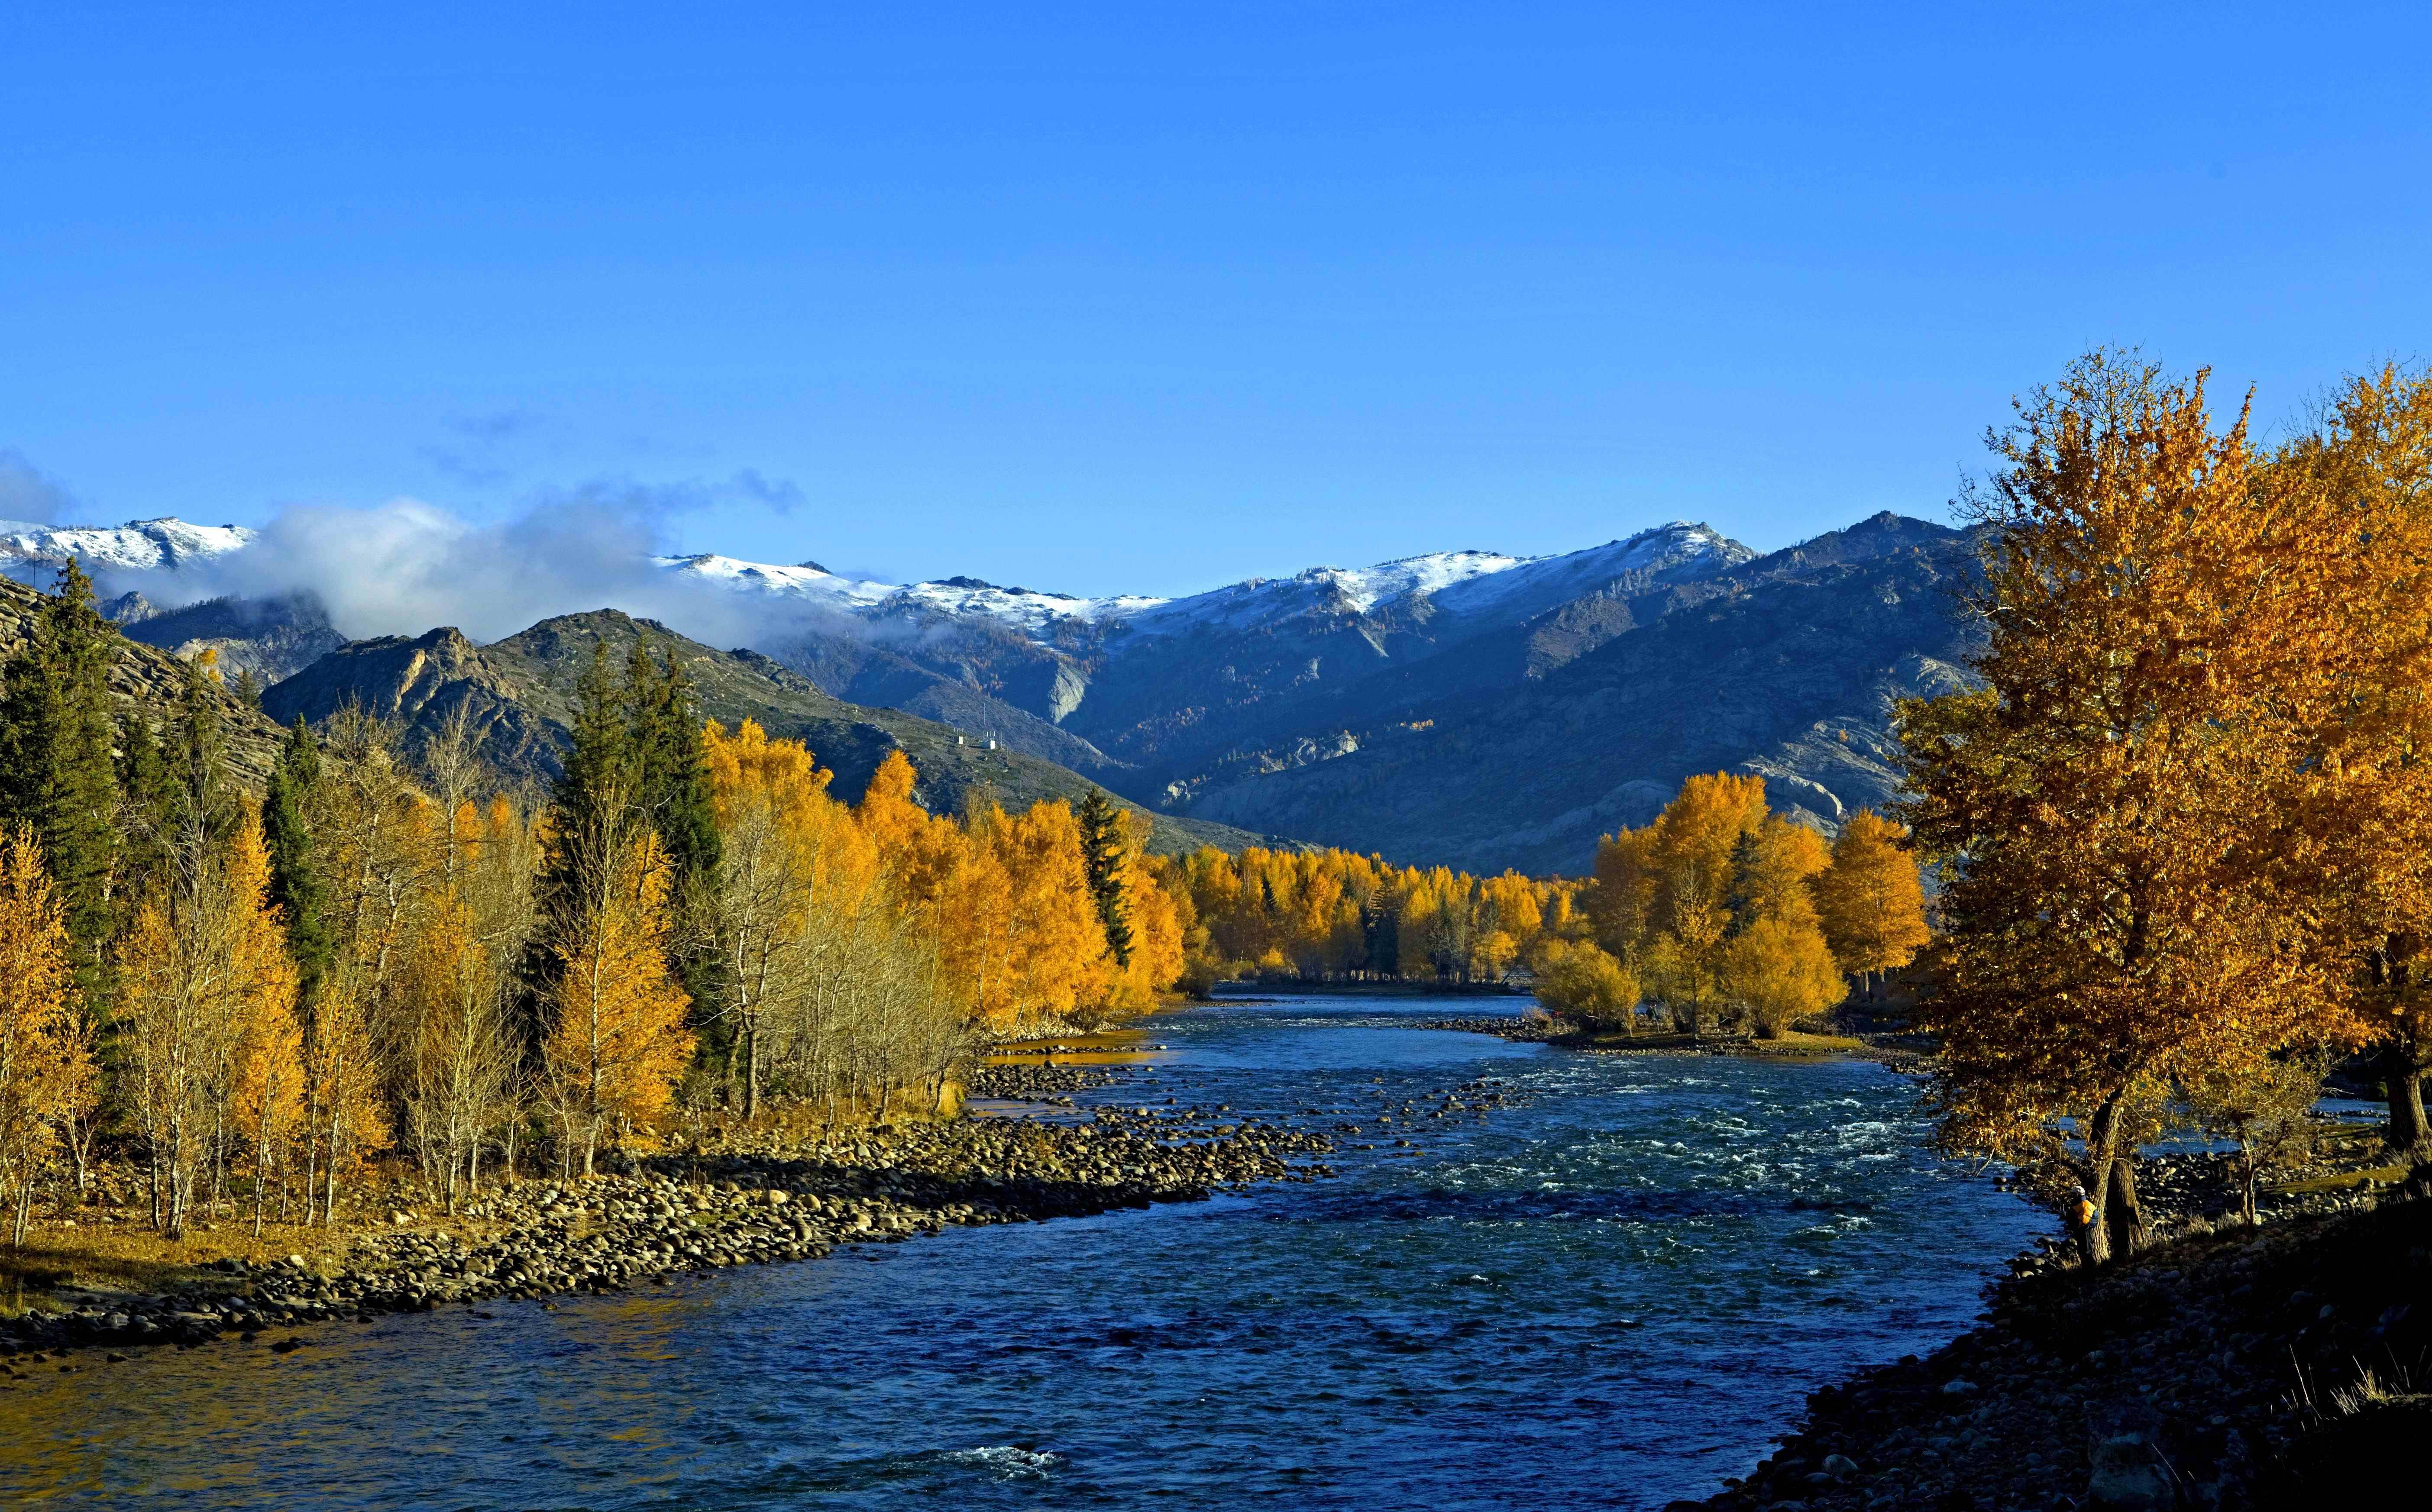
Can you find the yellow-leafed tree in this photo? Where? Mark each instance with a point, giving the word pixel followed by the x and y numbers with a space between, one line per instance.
pixel 1584 981
pixel 2117 919
pixel 619 1042
pixel 46 1069
pixel 267 1043
pixel 1780 969
pixel 1870 899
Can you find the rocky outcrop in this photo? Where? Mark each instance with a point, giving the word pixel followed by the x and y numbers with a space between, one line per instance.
pixel 147 679
pixel 272 638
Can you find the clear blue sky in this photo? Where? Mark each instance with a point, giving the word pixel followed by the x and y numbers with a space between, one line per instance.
pixel 1150 297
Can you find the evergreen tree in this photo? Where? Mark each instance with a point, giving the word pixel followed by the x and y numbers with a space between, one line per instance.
pixel 201 808
pixel 590 805
pixel 296 885
pixel 672 771
pixel 144 816
pixel 597 780
pixel 1102 853
pixel 54 760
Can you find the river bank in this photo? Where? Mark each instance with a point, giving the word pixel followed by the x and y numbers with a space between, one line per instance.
pixel 2229 1368
pixel 1902 1053
pixel 751 1198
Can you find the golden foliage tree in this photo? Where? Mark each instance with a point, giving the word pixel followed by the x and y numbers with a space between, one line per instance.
pixel 618 1042
pixel 2356 665
pixel 1581 981
pixel 1870 899
pixel 2109 800
pixel 1780 970
pixel 265 1041
pixel 46 1062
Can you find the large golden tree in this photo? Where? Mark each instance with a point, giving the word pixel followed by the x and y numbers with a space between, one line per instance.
pixel 2109 804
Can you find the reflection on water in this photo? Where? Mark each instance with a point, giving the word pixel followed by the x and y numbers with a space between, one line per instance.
pixel 1607 1293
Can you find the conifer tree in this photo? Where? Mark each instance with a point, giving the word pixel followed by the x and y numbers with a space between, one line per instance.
pixel 143 815
pixel 200 808
pixel 672 774
pixel 54 760
pixel 1103 848
pixel 590 813
pixel 297 886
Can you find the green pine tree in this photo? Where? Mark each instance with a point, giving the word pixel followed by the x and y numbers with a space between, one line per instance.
pixel 56 772
pixel 673 770
pixel 592 803
pixel 673 773
pixel 296 881
pixel 201 807
pixel 1101 850
pixel 145 812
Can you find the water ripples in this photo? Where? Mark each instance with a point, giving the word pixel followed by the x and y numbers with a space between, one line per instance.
pixel 1607 1292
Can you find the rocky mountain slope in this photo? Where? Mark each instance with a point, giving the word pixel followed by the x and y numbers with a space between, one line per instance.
pixel 272 638
pixel 1465 705
pixel 1521 747
pixel 152 679
pixel 521 694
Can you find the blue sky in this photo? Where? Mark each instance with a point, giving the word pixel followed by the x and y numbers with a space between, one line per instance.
pixel 1148 298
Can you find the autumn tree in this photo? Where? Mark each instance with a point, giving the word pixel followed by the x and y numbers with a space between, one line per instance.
pixel 2114 907
pixel 209 995
pixel 1870 899
pixel 265 1041
pixel 1780 970
pixel 2356 662
pixel 619 1042
pixel 47 1074
pixel 1582 982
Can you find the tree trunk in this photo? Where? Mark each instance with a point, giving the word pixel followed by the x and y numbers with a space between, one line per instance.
pixel 2403 1070
pixel 2122 1215
pixel 750 1073
pixel 2101 1146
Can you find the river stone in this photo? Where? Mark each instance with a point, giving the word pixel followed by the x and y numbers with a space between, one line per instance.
pixel 2130 1474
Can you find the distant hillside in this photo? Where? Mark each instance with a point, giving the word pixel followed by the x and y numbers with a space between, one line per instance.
pixel 1520 748
pixel 272 638
pixel 1461 706
pixel 522 691
pixel 152 679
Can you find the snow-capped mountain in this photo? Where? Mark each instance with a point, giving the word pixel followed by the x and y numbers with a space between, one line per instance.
pixel 138 546
pixel 1488 585
pixel 1470 706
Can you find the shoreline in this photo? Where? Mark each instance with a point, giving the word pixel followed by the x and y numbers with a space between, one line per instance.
pixel 1900 1053
pixel 752 1200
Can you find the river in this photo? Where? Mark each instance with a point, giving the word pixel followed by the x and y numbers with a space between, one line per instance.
pixel 1609 1292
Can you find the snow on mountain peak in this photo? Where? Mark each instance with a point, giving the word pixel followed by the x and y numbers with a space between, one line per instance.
pixel 138 546
pixel 1477 586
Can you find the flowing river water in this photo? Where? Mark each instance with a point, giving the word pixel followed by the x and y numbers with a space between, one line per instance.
pixel 1609 1292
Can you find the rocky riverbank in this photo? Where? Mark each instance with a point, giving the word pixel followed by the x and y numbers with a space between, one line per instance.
pixel 1902 1053
pixel 750 1198
pixel 2224 1369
